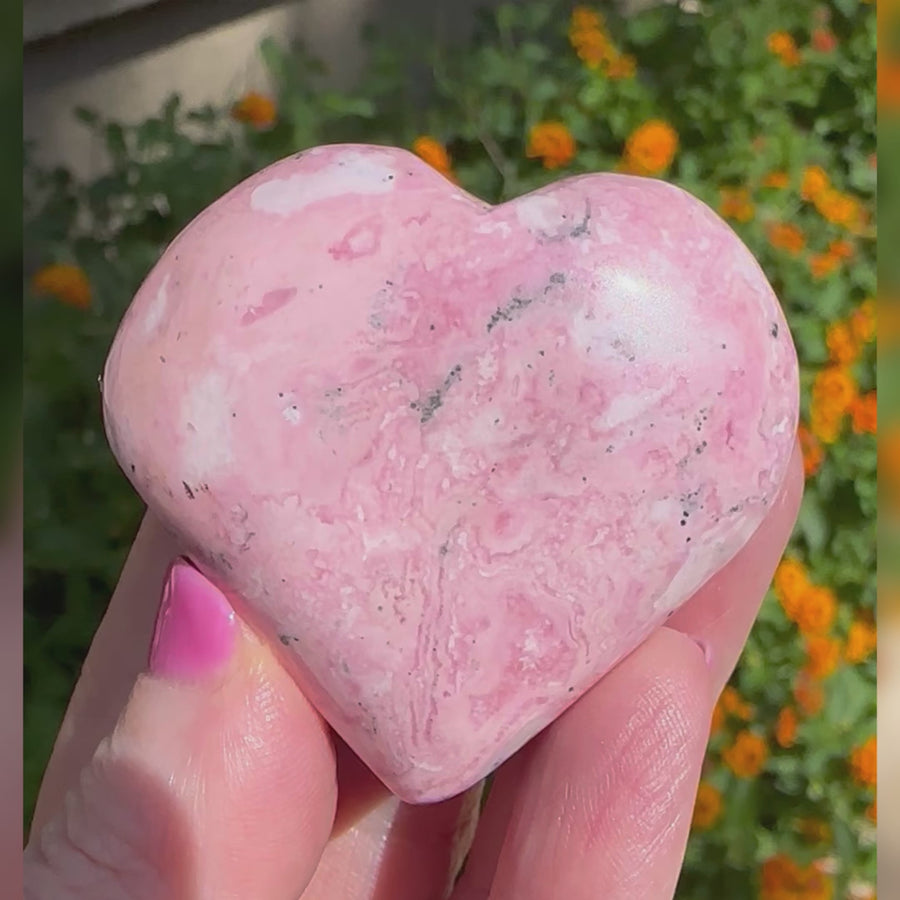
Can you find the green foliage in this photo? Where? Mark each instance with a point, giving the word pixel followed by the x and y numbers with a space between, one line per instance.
pixel 739 114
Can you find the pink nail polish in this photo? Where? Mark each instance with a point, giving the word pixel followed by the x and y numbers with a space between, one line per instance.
pixel 195 628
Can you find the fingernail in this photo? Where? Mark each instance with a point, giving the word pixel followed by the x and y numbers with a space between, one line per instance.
pixel 195 628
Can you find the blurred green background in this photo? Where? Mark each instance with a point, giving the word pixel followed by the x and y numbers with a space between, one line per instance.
pixel 766 111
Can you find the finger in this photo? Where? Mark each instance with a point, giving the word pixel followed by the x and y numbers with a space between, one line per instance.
pixel 602 805
pixel 397 852
pixel 720 615
pixel 217 781
pixel 117 656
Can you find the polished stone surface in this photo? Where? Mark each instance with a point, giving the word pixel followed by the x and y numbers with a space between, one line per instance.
pixel 459 459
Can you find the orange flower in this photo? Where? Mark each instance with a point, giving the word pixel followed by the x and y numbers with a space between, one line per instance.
pixel 872 812
pixel 255 109
pixel 821 265
pixel 786 728
pixel 734 705
pixel 864 413
pixel 735 204
pixel 841 249
pixel 862 639
pixel 811 449
pixel 815 181
pixel 783 879
pixel 843 345
pixel 809 695
pixel 432 151
pixel 833 392
pixel 862 321
pixel 816 610
pixel 651 147
pixel 782 45
pixel 822 655
pixel 552 143
pixel 593 47
pixel 584 18
pixel 838 208
pixel 66 282
pixel 785 236
pixel 717 720
pixel 707 806
pixel 776 180
pixel 864 763
pixel 790 583
pixel 823 40
pixel 621 66
pixel 747 755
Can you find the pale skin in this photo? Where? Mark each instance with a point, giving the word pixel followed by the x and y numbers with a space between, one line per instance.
pixel 236 790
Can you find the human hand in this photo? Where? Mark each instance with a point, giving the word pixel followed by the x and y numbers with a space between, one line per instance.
pixel 211 777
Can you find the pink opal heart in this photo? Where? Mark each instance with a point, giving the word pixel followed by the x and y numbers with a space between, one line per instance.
pixel 459 459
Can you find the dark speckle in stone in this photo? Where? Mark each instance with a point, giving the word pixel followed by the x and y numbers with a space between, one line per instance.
pixel 724 346
pixel 132 467
pixel 583 226
pixel 436 398
pixel 774 330
pixel 540 352
pixel 558 278
pixel 188 491
pixel 610 448
pixel 286 639
pixel 431 327
pixel 162 359
pixel 443 549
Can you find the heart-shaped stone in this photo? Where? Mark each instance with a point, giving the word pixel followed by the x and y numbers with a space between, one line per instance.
pixel 459 459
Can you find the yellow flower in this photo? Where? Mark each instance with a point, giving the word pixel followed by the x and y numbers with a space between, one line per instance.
pixel 864 763
pixel 782 45
pixel 864 413
pixel 552 143
pixel 815 181
pixel 778 180
pixel 811 450
pixel 862 639
pixel 650 148
pixel 785 236
pixel 66 282
pixel 822 656
pixel 786 728
pixel 747 755
pixel 707 806
pixel 255 109
pixel 433 152
pixel 735 203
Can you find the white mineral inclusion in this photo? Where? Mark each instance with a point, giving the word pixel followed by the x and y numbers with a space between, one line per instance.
pixel 538 212
pixel 351 173
pixel 205 431
pixel 157 308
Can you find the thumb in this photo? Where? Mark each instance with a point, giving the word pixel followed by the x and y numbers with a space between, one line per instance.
pixel 217 782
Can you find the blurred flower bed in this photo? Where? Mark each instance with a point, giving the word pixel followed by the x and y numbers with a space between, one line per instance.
pixel 766 111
